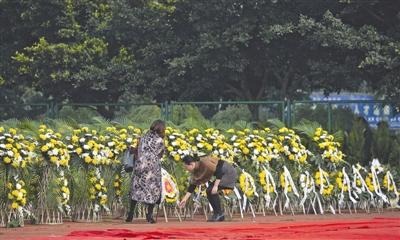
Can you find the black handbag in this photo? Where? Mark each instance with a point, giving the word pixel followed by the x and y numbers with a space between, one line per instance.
pixel 128 160
pixel 129 157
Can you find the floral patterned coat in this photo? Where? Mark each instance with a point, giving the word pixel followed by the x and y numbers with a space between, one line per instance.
pixel 146 179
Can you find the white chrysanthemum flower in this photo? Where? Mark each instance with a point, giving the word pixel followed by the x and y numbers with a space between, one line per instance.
pixel 18 186
pixel 286 148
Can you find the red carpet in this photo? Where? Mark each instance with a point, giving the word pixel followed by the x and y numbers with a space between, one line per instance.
pixel 377 228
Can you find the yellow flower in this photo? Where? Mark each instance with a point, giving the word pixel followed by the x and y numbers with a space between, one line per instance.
pixel 246 151
pixel 42 137
pixel 97 186
pixel 177 157
pixel 78 151
pixel 88 159
pixel 7 160
pixel 44 148
pixel 53 159
pixel 12 131
pixel 14 205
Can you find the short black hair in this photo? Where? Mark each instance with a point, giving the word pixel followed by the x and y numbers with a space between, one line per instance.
pixel 189 159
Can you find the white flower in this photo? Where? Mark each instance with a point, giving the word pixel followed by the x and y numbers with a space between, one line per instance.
pixel 10 153
pixel 286 148
pixel 200 145
pixel 55 151
pixel 2 146
pixel 18 186
pixel 82 140
pixel 185 152
pixel 96 207
pixel 221 151
pixel 110 144
pixel 86 147
pixel 129 140
pixel 174 143
pixel 302 177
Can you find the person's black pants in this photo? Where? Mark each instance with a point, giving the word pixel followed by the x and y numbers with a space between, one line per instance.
pixel 133 204
pixel 214 198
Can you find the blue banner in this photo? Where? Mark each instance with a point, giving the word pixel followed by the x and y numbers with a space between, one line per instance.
pixel 372 112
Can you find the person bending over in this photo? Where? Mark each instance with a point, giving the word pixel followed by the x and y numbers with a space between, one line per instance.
pixel 202 169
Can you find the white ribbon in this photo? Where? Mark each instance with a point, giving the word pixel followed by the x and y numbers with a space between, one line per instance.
pixel 346 181
pixel 270 181
pixel 390 181
pixel 357 175
pixel 288 182
pixel 253 186
pixel 375 182
pixel 306 189
pixel 322 187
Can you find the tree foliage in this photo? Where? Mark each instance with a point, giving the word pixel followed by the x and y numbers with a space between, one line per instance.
pixel 109 50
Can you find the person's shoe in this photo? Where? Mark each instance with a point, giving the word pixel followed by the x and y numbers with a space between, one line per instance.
pixel 129 218
pixel 150 219
pixel 217 218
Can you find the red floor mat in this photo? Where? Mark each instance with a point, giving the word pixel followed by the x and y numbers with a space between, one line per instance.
pixel 377 228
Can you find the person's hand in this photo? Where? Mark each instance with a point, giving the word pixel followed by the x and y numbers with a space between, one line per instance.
pixel 182 202
pixel 214 190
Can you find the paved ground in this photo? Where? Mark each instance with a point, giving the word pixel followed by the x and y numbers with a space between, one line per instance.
pixel 351 226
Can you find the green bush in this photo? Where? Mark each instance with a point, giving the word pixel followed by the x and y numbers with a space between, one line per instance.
pixel 342 118
pixel 144 114
pixel 182 112
pixel 354 142
pixel 232 114
pixel 79 114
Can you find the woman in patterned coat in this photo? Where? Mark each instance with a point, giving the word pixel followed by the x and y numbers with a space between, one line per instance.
pixel 146 178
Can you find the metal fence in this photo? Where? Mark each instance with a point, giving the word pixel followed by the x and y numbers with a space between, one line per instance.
pixel 332 115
